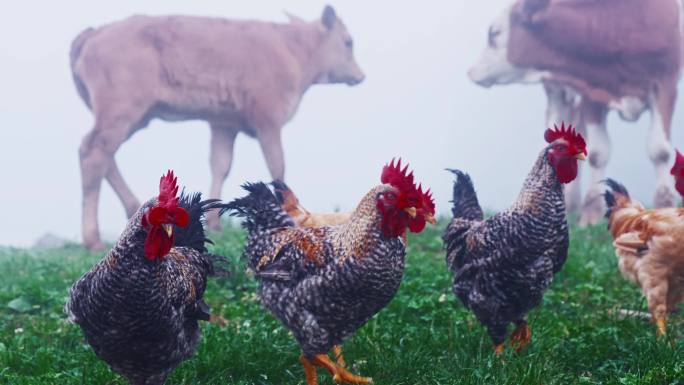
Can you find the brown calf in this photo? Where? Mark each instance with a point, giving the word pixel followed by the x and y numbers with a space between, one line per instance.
pixel 239 76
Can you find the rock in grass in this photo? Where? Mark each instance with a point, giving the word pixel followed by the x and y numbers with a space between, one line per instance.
pixel 20 305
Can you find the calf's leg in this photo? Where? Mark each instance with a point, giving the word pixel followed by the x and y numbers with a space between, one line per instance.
pixel 96 156
pixel 221 158
pixel 130 202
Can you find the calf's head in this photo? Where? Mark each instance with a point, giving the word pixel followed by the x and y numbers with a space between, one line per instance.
pixel 336 55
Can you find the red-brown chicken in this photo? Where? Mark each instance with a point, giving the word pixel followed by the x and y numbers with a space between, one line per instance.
pixel 304 218
pixel 649 244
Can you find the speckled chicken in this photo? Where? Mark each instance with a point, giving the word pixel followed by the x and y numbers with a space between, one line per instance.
pixel 503 265
pixel 139 307
pixel 324 283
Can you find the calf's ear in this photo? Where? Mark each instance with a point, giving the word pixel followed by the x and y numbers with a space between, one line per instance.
pixel 329 17
pixel 294 19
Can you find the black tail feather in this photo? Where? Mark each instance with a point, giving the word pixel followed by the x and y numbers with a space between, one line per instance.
pixel 465 204
pixel 609 195
pixel 260 208
pixel 194 236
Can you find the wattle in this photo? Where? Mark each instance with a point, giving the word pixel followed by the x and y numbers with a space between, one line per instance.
pixel 157 243
pixel 566 168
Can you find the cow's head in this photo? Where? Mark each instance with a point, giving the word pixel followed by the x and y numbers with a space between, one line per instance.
pixel 336 54
pixel 495 66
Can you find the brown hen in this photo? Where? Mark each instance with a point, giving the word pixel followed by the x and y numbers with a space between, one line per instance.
pixel 649 244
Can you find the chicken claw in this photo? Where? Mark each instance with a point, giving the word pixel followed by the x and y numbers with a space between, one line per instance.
pixel 218 320
pixel 521 336
pixel 340 374
pixel 309 371
pixel 337 355
pixel 498 349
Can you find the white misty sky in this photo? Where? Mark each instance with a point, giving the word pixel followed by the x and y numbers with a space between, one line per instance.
pixel 416 102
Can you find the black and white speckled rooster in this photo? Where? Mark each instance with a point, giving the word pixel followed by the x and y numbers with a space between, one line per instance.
pixel 139 306
pixel 324 283
pixel 503 265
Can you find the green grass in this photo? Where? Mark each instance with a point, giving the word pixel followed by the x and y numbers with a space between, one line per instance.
pixel 423 337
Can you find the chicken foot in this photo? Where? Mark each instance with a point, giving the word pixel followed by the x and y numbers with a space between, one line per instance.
pixel 337 354
pixel 340 374
pixel 521 336
pixel 661 326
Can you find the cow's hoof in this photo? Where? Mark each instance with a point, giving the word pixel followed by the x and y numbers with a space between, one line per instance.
pixel 589 218
pixel 94 246
pixel 592 211
pixel 664 197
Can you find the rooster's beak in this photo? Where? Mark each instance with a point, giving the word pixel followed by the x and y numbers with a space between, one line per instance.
pixel 411 211
pixel 581 156
pixel 430 219
pixel 168 229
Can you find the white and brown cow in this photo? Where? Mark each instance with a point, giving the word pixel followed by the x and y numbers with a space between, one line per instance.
pixel 238 75
pixel 592 56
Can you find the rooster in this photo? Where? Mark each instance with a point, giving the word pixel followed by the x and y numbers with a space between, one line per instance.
pixel 323 283
pixel 139 307
pixel 503 265
pixel 649 244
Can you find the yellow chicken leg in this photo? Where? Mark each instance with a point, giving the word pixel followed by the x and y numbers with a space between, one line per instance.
pixel 218 320
pixel 337 355
pixel 340 374
pixel 521 336
pixel 661 325
pixel 309 371
pixel 498 349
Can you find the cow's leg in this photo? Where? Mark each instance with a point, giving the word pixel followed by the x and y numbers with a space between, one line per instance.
pixel 121 189
pixel 573 190
pixel 598 143
pixel 96 155
pixel 562 107
pixel 221 158
pixel 658 147
pixel 272 147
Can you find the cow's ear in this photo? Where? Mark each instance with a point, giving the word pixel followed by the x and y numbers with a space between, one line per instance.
pixel 329 17
pixel 531 7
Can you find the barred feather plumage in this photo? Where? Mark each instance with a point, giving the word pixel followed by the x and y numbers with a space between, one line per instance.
pixel 141 316
pixel 321 283
pixel 503 265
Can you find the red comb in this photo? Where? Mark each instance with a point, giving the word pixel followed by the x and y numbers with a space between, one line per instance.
pixel 394 175
pixel 426 197
pixel 568 133
pixel 168 189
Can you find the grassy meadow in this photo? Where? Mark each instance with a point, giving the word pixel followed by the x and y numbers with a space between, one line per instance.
pixel 423 337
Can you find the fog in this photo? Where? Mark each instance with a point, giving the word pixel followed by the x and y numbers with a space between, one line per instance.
pixel 416 102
